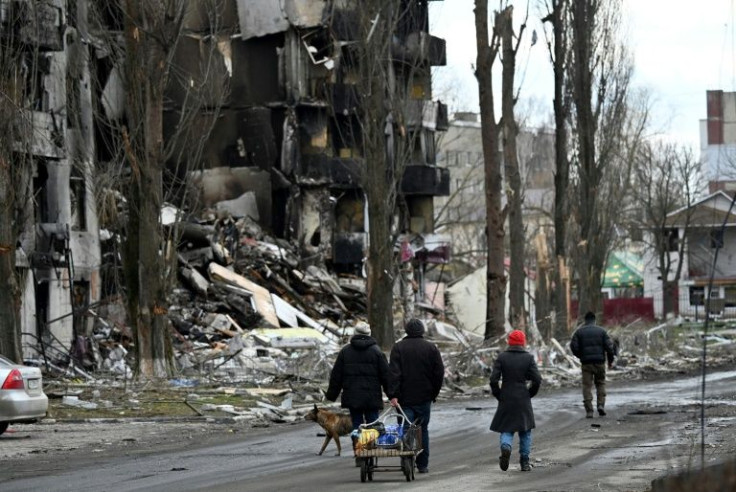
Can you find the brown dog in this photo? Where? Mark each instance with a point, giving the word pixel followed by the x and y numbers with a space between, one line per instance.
pixel 334 424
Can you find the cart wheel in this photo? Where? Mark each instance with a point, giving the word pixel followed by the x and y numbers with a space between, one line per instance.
pixel 412 465
pixel 371 465
pixel 406 468
pixel 363 469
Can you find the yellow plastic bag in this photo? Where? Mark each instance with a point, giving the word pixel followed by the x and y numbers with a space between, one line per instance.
pixel 366 439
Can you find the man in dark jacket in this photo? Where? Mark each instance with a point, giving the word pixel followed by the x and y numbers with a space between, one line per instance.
pixel 360 372
pixel 592 345
pixel 515 366
pixel 417 373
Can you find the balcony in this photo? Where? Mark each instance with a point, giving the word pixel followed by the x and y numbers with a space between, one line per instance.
pixel 430 115
pixel 320 169
pixel 426 180
pixel 420 48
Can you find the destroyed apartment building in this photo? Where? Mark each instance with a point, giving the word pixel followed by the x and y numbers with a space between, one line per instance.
pixel 277 108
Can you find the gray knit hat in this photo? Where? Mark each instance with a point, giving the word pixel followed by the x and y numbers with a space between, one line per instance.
pixel 362 328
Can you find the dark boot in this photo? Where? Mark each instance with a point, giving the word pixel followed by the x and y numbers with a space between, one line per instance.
pixel 601 412
pixel 588 410
pixel 525 466
pixel 503 461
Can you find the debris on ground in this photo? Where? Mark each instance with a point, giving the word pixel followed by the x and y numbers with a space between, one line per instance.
pixel 257 331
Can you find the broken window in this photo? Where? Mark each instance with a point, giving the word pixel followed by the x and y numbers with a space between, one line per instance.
pixel 313 130
pixel 697 294
pixel 39 192
pixel 345 135
pixel 671 240
pixel 78 192
pixel 349 212
pixel 414 17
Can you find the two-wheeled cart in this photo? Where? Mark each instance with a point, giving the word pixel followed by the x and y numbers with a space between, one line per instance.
pixel 403 441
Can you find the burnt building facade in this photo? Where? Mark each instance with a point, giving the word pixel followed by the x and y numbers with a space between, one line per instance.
pixel 262 110
pixel 58 251
pixel 288 127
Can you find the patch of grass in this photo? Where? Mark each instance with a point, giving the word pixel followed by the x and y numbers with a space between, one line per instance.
pixel 120 402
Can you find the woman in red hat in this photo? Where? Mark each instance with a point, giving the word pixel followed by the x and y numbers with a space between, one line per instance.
pixel 514 367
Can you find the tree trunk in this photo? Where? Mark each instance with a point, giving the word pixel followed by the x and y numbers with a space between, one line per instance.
pixel 589 272
pixel 542 293
pixel 669 299
pixel 380 179
pixel 495 275
pixel 15 172
pixel 517 277
pixel 562 165
pixel 9 289
pixel 146 69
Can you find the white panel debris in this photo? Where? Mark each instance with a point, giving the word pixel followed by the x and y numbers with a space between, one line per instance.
pixel 262 17
pixel 243 206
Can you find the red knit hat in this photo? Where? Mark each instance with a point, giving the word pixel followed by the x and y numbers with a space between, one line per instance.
pixel 517 337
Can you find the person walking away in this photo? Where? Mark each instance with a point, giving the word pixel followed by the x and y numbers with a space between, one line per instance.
pixel 416 376
pixel 514 414
pixel 592 345
pixel 360 372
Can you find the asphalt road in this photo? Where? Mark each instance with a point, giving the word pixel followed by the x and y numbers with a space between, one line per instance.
pixel 652 429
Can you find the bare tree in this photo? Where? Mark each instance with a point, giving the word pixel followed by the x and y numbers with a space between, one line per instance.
pixel 558 46
pixel 667 178
pixel 495 275
pixel 151 32
pixel 514 191
pixel 390 133
pixel 600 71
pixel 18 68
pixel 147 165
pixel 377 21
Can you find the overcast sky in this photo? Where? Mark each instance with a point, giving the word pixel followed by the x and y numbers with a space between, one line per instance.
pixel 681 49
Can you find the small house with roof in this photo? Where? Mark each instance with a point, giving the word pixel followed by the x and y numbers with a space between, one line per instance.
pixel 708 228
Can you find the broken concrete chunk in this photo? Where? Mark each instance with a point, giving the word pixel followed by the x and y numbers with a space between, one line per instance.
pixel 196 280
pixel 243 206
pixel 262 296
pixel 74 401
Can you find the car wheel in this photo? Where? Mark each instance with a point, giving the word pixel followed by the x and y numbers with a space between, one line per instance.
pixel 3 426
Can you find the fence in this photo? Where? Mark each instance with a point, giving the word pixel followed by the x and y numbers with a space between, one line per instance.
pixel 685 304
pixel 624 310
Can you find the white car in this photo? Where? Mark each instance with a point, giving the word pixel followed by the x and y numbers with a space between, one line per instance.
pixel 22 398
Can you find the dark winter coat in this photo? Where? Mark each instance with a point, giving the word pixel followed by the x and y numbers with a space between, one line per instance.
pixel 417 371
pixel 360 372
pixel 592 345
pixel 514 367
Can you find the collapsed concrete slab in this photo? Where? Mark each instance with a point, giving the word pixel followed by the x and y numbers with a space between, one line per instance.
pixel 261 296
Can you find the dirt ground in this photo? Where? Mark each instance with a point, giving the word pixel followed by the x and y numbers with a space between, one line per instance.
pixel 112 436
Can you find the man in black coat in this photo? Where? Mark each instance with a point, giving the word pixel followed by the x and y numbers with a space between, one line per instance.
pixel 515 366
pixel 360 372
pixel 592 345
pixel 417 373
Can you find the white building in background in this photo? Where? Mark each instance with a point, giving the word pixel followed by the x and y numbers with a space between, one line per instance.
pixel 701 278
pixel 461 215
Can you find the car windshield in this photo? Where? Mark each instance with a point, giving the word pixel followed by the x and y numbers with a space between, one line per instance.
pixel 6 362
